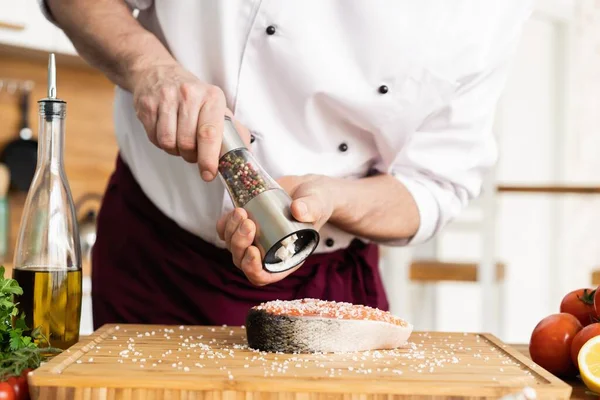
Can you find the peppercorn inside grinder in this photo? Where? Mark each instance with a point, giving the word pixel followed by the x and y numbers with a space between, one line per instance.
pixel 283 241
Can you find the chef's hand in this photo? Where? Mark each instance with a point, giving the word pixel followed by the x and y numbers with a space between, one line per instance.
pixel 182 115
pixel 313 202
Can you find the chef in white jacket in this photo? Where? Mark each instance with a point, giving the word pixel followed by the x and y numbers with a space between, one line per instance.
pixel 375 115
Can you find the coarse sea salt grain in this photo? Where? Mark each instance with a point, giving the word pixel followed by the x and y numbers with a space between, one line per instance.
pixel 329 309
pixel 413 358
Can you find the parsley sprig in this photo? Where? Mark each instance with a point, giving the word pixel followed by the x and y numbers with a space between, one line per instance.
pixel 18 350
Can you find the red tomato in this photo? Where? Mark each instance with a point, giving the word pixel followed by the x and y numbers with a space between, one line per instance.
pixel 6 392
pixel 20 386
pixel 14 383
pixel 581 338
pixel 550 343
pixel 580 303
pixel 597 302
pixel 24 387
pixel 25 383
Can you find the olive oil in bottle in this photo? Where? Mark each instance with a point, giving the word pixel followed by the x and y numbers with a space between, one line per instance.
pixel 51 300
pixel 47 261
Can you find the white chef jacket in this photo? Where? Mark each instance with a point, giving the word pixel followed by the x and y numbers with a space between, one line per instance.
pixel 338 88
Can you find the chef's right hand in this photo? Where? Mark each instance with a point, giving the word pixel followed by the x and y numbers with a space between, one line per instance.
pixel 183 115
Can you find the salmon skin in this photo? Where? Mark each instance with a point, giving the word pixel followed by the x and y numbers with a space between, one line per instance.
pixel 318 326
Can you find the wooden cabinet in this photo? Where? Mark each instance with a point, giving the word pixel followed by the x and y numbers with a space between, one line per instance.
pixel 23 25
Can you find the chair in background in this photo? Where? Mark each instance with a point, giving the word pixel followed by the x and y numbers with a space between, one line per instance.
pixel 427 273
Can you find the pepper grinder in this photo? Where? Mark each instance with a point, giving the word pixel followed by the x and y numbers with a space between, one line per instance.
pixel 283 241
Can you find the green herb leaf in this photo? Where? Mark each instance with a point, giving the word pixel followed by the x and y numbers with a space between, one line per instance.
pixel 10 286
pixel 18 350
pixel 16 339
pixel 20 323
pixel 6 303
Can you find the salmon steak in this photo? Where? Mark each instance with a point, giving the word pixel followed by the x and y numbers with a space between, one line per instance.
pixel 319 326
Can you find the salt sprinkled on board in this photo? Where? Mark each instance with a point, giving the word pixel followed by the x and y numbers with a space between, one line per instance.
pixel 414 357
pixel 329 309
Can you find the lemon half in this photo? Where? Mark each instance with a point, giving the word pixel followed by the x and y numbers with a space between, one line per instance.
pixel 589 363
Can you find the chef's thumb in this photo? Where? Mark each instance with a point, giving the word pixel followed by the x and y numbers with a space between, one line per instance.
pixel 307 208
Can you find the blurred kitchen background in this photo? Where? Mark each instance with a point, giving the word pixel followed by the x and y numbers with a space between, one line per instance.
pixel 503 265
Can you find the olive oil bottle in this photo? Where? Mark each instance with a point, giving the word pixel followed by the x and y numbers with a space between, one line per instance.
pixel 47 260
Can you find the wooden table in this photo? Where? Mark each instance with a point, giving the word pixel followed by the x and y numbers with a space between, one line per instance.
pixel 579 388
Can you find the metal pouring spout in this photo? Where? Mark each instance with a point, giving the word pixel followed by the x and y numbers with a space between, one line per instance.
pixel 52 77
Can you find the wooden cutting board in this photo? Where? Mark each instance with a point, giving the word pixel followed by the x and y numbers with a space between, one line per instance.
pixel 213 363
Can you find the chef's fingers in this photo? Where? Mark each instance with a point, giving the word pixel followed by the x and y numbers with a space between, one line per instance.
pixel 187 121
pixel 241 239
pixel 237 217
pixel 289 183
pixel 210 132
pixel 309 208
pixel 146 109
pixel 166 124
pixel 251 264
pixel 221 223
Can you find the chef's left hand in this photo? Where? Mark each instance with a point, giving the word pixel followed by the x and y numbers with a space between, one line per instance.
pixel 313 202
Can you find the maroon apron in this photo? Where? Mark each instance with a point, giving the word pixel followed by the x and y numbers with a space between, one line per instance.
pixel 147 269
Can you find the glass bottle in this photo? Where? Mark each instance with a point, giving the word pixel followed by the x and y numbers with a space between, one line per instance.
pixel 47 260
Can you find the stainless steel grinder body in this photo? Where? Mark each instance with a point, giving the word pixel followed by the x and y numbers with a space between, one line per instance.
pixel 266 203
